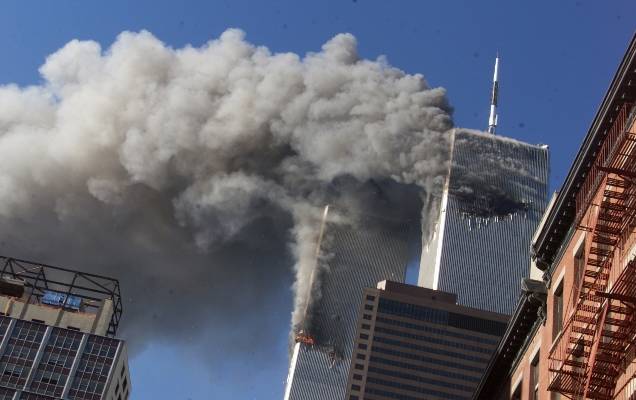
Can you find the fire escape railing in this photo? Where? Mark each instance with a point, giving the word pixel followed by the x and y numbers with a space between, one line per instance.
pixel 606 155
pixel 587 358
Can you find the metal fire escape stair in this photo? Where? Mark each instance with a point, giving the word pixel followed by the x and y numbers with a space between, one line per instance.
pixel 593 340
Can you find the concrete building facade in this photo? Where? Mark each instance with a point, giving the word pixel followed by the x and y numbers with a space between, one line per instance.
pixel 575 337
pixel 417 343
pixel 57 330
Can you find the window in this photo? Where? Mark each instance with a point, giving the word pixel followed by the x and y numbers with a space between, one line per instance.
pixel 362 346
pixel 355 387
pixel 534 377
pixel 516 395
pixel 579 268
pixel 359 366
pixel 370 298
pixel 366 326
pixel 361 356
pixel 357 377
pixel 364 336
pixel 557 311
pixel 366 316
pixel 37 321
pixel 368 307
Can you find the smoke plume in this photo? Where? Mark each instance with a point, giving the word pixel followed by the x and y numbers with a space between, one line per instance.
pixel 197 176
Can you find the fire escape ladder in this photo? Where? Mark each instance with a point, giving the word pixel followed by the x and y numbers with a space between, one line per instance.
pixel 604 356
pixel 587 356
pixel 589 348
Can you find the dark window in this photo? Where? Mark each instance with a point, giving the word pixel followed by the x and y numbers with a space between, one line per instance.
pixel 441 317
pixel 370 298
pixel 534 376
pixel 353 397
pixel 366 326
pixel 421 379
pixel 368 307
pixel 37 321
pixel 430 349
pixel 361 356
pixel 359 366
pixel 362 346
pixel 72 328
pixel 579 268
pixel 355 387
pixel 557 311
pixel 418 368
pixel 357 377
pixel 366 316
pixel 516 395
pixel 364 336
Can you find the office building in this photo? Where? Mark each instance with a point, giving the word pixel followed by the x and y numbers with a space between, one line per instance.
pixel 358 256
pixel 57 329
pixel 417 343
pixel 495 194
pixel 580 344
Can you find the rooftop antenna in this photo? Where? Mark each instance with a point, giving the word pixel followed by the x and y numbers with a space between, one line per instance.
pixel 492 121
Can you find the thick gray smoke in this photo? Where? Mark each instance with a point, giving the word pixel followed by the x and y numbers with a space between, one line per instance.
pixel 197 176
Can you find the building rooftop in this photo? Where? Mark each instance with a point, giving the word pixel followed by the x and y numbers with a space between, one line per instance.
pixel 417 291
pixel 75 292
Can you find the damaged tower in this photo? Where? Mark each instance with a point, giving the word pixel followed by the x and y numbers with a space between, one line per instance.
pixel 358 254
pixel 493 198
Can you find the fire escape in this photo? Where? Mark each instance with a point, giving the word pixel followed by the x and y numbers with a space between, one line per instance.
pixel 588 356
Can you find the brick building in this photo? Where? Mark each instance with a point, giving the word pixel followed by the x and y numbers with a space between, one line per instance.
pixel 572 334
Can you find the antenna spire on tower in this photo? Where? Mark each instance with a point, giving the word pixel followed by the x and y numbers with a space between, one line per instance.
pixel 492 120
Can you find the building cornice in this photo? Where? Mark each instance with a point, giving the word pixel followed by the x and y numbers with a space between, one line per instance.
pixel 621 90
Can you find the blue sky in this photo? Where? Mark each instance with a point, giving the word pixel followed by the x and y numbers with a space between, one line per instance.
pixel 558 58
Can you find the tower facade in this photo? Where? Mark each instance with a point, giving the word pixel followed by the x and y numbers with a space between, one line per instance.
pixel 491 204
pixel 57 329
pixel 357 255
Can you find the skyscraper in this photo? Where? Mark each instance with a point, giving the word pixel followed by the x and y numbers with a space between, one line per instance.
pixel 491 204
pixel 417 343
pixel 359 254
pixel 57 330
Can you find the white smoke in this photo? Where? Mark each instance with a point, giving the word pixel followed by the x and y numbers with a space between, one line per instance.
pixel 121 158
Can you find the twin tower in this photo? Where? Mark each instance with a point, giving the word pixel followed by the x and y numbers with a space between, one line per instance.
pixel 473 241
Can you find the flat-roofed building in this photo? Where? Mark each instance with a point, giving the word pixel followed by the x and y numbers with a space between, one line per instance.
pixel 57 330
pixel 417 343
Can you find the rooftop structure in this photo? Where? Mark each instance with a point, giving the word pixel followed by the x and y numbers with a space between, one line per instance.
pixel 57 330
pixel 492 120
